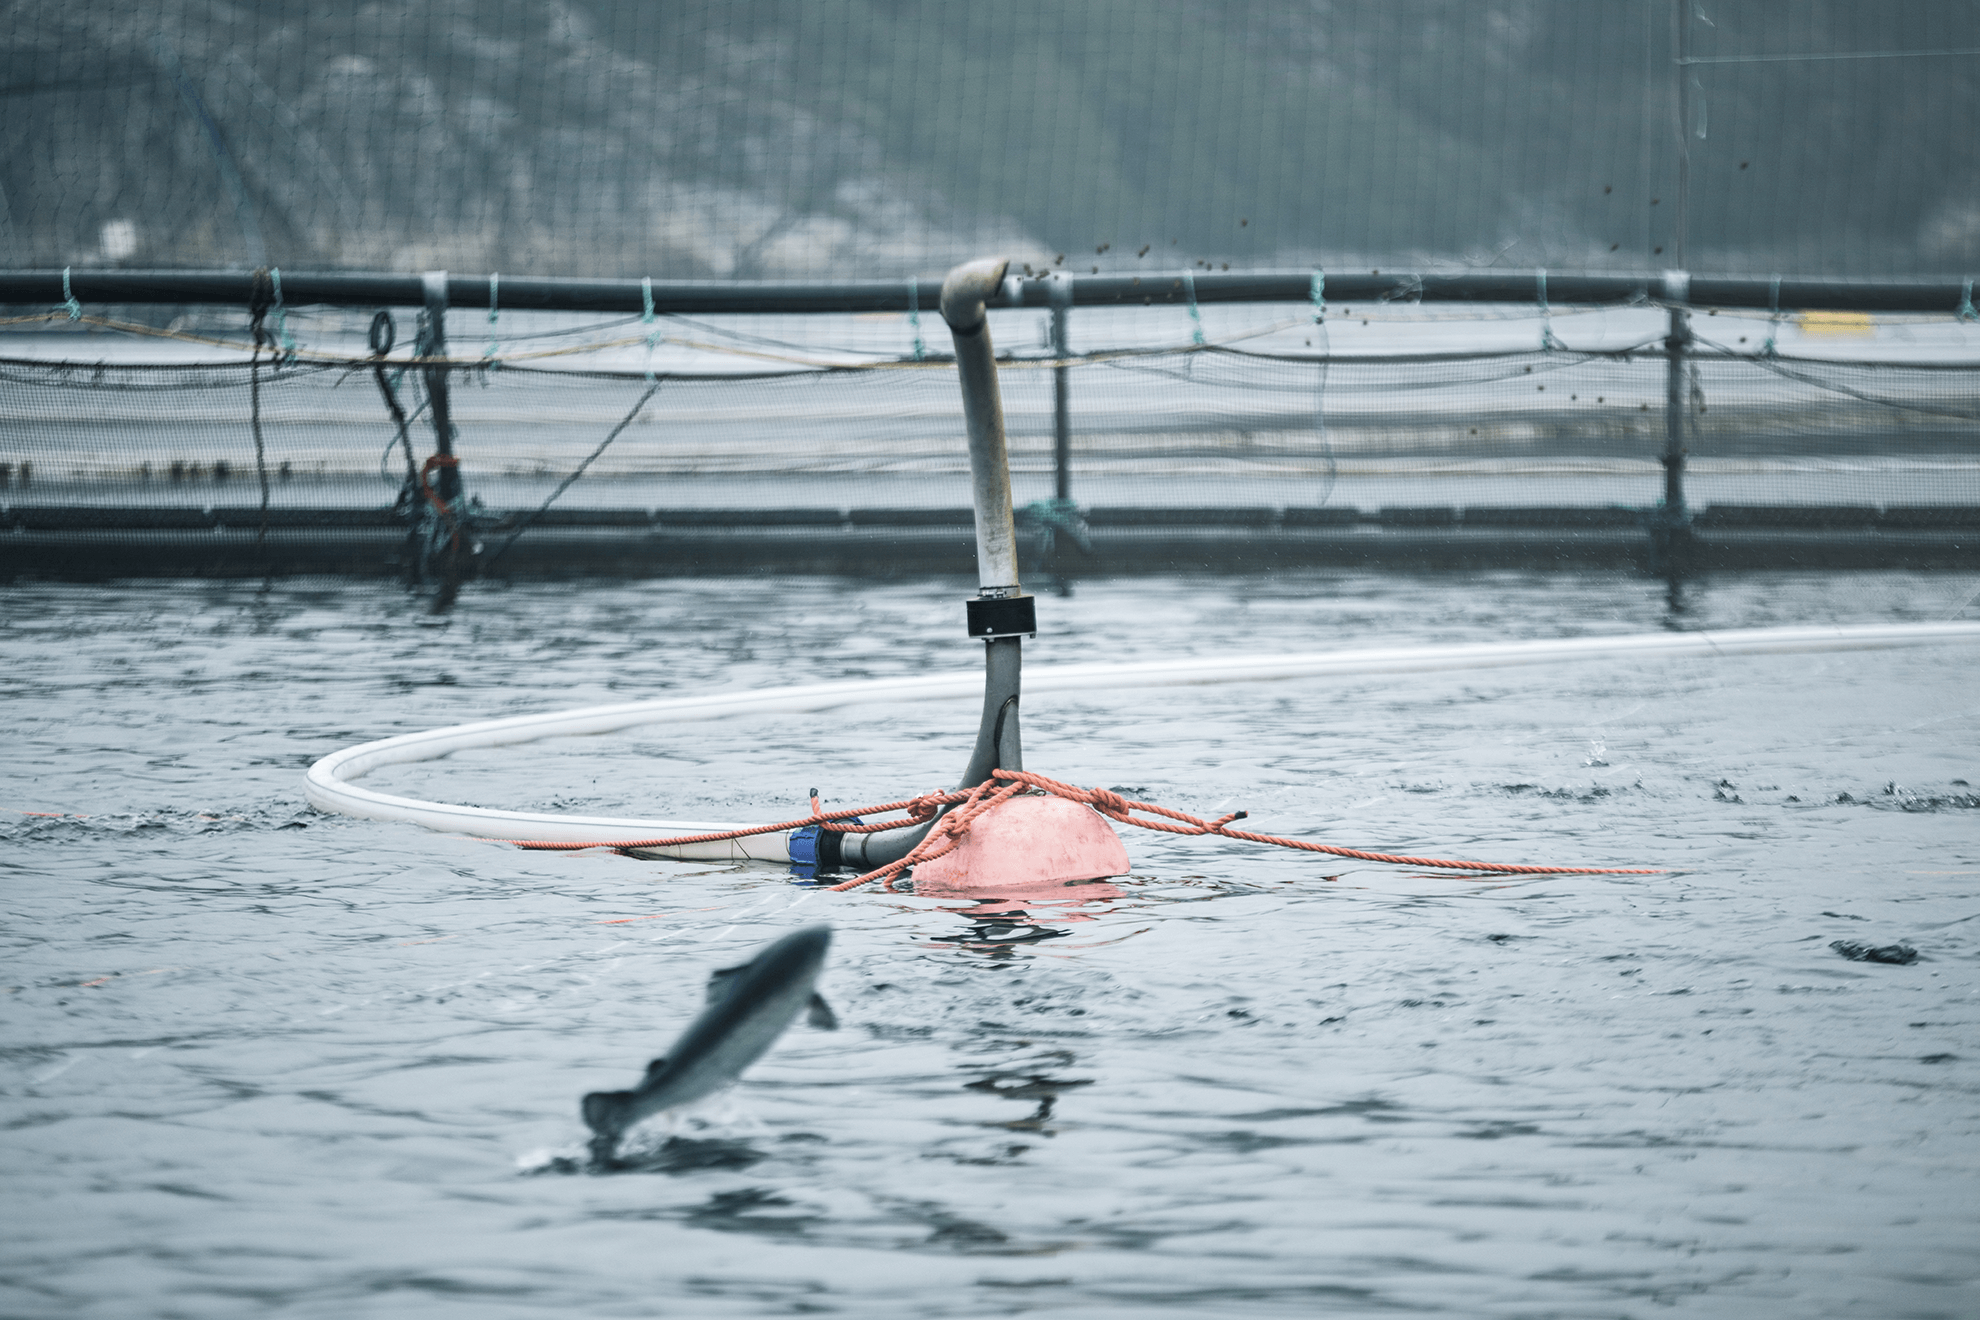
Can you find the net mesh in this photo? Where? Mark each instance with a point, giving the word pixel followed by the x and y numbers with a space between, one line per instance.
pixel 836 138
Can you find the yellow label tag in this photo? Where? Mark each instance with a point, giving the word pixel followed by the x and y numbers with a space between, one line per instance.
pixel 1840 325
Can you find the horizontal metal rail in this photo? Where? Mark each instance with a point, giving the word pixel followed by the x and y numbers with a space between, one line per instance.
pixel 52 547
pixel 46 288
pixel 956 524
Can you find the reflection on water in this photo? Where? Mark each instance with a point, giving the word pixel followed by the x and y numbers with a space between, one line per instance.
pixel 257 1060
pixel 673 1155
pixel 997 935
pixel 1674 601
pixel 1042 1091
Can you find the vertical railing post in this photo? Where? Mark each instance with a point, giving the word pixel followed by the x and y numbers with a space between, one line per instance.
pixel 1677 403
pixel 447 476
pixel 1061 391
pixel 1671 531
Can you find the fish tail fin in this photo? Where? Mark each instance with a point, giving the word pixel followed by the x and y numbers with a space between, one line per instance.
pixel 605 1112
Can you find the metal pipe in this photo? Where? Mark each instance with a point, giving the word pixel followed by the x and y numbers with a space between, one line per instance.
pixel 997 741
pixel 30 288
pixel 963 298
pixel 964 295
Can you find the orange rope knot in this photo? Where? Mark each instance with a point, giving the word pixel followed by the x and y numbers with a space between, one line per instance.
pixel 425 477
pixel 918 809
pixel 1107 802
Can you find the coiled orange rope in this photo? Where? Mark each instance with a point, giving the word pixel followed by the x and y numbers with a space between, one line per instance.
pixel 1003 785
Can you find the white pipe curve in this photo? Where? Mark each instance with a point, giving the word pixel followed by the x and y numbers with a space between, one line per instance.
pixel 329 788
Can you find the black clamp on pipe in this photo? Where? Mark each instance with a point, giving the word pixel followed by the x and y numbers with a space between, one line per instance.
pixel 1003 616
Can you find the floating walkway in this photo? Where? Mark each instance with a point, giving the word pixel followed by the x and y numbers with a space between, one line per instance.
pixel 87 542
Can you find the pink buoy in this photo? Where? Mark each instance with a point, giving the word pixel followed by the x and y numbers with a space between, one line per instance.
pixel 1030 843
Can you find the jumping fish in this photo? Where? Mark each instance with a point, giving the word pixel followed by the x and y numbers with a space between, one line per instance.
pixel 748 1008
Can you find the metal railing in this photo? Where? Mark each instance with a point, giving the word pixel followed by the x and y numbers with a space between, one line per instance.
pixel 1045 289
pixel 1675 292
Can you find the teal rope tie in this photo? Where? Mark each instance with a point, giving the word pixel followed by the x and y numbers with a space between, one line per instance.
pixel 1196 317
pixel 1547 341
pixel 282 316
pixel 1774 321
pixel 75 308
pixel 914 319
pixel 1055 518
pixel 646 319
pixel 1966 312
pixel 494 316
pixel 1318 292
pixel 1061 514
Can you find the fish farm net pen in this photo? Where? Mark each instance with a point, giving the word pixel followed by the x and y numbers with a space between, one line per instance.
pixel 1500 419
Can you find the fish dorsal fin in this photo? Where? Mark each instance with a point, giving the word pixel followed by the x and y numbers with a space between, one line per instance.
pixel 722 981
pixel 654 1068
pixel 820 1014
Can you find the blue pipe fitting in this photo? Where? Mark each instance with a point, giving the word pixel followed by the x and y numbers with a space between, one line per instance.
pixel 813 850
pixel 803 845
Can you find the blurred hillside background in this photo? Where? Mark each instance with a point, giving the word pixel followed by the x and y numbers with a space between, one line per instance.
pixel 844 138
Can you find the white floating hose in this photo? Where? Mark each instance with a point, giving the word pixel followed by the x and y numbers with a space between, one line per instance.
pixel 329 785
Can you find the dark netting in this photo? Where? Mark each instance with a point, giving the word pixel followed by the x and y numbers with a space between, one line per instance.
pixel 753 139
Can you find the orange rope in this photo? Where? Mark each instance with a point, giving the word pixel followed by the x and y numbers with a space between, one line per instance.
pixel 971 803
pixel 948 833
pixel 1116 807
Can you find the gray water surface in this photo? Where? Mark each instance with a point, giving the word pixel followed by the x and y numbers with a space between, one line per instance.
pixel 257 1061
